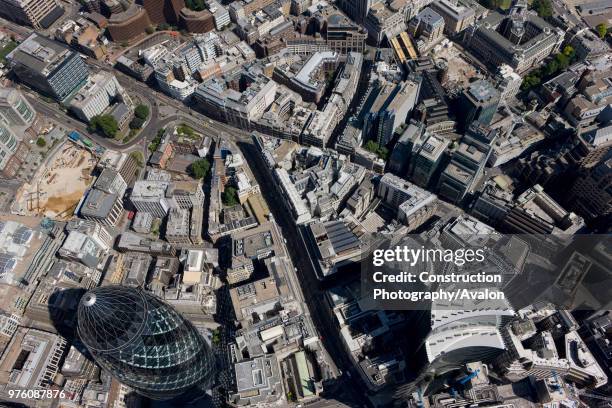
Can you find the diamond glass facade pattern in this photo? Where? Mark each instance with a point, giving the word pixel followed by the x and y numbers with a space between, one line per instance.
pixel 144 342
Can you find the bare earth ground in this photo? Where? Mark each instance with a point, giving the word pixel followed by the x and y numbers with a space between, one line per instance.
pixel 58 185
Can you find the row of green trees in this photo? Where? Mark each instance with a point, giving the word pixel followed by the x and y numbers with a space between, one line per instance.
pixel 558 63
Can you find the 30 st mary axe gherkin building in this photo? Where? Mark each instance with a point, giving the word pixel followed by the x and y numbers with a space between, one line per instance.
pixel 144 342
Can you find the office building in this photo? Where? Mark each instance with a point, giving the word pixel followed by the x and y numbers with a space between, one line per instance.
pixel 534 352
pixel 321 124
pixel 12 151
pixel 413 205
pixel 187 194
pixel 464 170
pixel 220 14
pixel 258 381
pixel 177 227
pixel 31 360
pixel 15 108
pixel 97 232
pixel 163 11
pixel 78 366
pixel 122 163
pixel 590 147
pixel 152 197
pixel 103 203
pixel 253 245
pixel 377 100
pixel 535 212
pixel 143 342
pixel 519 39
pixel 306 77
pixel 135 267
pixel 81 248
pixel 196 21
pixel 479 103
pixel 471 335
pixel 588 45
pixel 236 108
pixel 129 241
pixel 507 82
pixel 101 90
pixel 336 244
pixel 396 110
pixel 457 17
pixel 591 194
pixel 357 9
pixel 37 14
pixel 400 155
pixel 427 28
pixel 344 36
pixel 385 20
pixel 48 67
pixel 425 158
pixel 129 25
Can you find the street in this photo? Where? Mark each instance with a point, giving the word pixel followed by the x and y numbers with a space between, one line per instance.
pixel 351 388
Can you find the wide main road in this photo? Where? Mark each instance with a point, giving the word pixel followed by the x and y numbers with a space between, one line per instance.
pixel 181 114
pixel 157 98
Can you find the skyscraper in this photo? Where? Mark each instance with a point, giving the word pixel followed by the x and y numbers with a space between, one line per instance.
pixel 12 151
pixel 479 103
pixel 357 9
pixel 591 194
pixel 15 108
pixel 143 342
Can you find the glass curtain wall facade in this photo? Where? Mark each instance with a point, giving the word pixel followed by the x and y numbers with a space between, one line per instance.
pixel 144 342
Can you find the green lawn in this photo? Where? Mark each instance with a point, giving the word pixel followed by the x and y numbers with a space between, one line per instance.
pixel 8 47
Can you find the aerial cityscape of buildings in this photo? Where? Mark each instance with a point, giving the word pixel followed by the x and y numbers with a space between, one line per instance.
pixel 192 191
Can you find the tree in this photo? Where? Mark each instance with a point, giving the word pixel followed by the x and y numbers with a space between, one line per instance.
pixel 373 147
pixel 157 140
pixel 542 7
pixel 569 52
pixel 216 337
pixel 136 123
pixel 150 29
pixel 41 142
pixel 562 60
pixel 551 68
pixel 196 5
pixel 105 124
pixel 199 169
pixel 230 196
pixel 602 30
pixel 142 112
pixel 531 80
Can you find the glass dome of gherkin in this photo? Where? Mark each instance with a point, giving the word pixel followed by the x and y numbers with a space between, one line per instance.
pixel 144 342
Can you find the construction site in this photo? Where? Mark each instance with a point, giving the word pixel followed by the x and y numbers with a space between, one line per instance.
pixel 459 70
pixel 58 184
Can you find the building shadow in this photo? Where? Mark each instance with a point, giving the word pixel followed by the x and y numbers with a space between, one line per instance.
pixel 62 307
